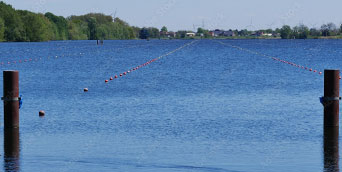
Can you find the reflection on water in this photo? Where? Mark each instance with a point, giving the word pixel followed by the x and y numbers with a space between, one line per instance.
pixel 331 151
pixel 11 150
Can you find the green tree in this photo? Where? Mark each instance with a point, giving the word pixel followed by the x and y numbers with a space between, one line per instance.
pixel 243 32
pixel 204 32
pixel 14 30
pixel 286 32
pixel 325 30
pixel 332 28
pixel 136 31
pixel 144 34
pixel 78 30
pixel 153 32
pixel 102 32
pixel 2 29
pixel 61 25
pixel 121 22
pixel 303 31
pixel 181 34
pixel 23 25
pixel 200 31
pixel 315 32
pixel 37 26
pixel 328 29
pixel 92 24
pixel 164 29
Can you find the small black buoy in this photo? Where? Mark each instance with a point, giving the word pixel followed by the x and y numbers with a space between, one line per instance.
pixel 41 113
pixel 85 90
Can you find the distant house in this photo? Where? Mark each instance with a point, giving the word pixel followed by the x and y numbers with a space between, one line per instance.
pixel 211 33
pixel 276 34
pixel 267 34
pixel 168 34
pixel 218 32
pixel 190 34
pixel 258 33
pixel 228 33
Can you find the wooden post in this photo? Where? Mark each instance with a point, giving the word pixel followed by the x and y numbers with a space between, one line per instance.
pixel 11 149
pixel 331 98
pixel 11 99
pixel 331 149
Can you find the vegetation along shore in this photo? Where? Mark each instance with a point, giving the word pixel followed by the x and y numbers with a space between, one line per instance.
pixel 26 26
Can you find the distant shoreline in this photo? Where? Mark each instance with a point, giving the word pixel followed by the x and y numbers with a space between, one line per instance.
pixel 26 26
pixel 192 38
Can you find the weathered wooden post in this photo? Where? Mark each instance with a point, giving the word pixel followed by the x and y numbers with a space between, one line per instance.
pixel 11 149
pixel 331 98
pixel 11 99
pixel 331 149
pixel 331 102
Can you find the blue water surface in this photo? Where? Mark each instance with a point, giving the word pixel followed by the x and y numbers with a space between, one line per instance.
pixel 207 107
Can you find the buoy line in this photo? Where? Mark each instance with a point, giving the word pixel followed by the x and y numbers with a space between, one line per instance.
pixel 270 57
pixel 50 57
pixel 116 76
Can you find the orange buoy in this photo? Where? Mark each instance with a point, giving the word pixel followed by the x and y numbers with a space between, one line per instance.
pixel 128 71
pixel 124 73
pixel 310 70
pixel 120 74
pixel 106 81
pixel 85 90
pixel 340 77
pixel 315 71
pixel 111 78
pixel 116 76
pixel 320 73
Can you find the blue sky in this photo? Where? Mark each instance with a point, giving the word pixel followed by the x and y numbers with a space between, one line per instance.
pixel 185 14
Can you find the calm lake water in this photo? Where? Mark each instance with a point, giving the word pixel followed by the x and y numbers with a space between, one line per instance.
pixel 207 107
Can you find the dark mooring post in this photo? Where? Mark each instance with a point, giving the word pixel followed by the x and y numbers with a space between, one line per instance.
pixel 330 102
pixel 11 99
pixel 331 149
pixel 11 150
pixel 331 98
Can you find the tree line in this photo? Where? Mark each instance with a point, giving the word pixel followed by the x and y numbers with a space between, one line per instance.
pixel 300 31
pixel 23 25
pixel 303 32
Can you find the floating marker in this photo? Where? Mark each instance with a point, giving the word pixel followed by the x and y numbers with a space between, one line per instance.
pixel 106 81
pixel 85 90
pixel 41 113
